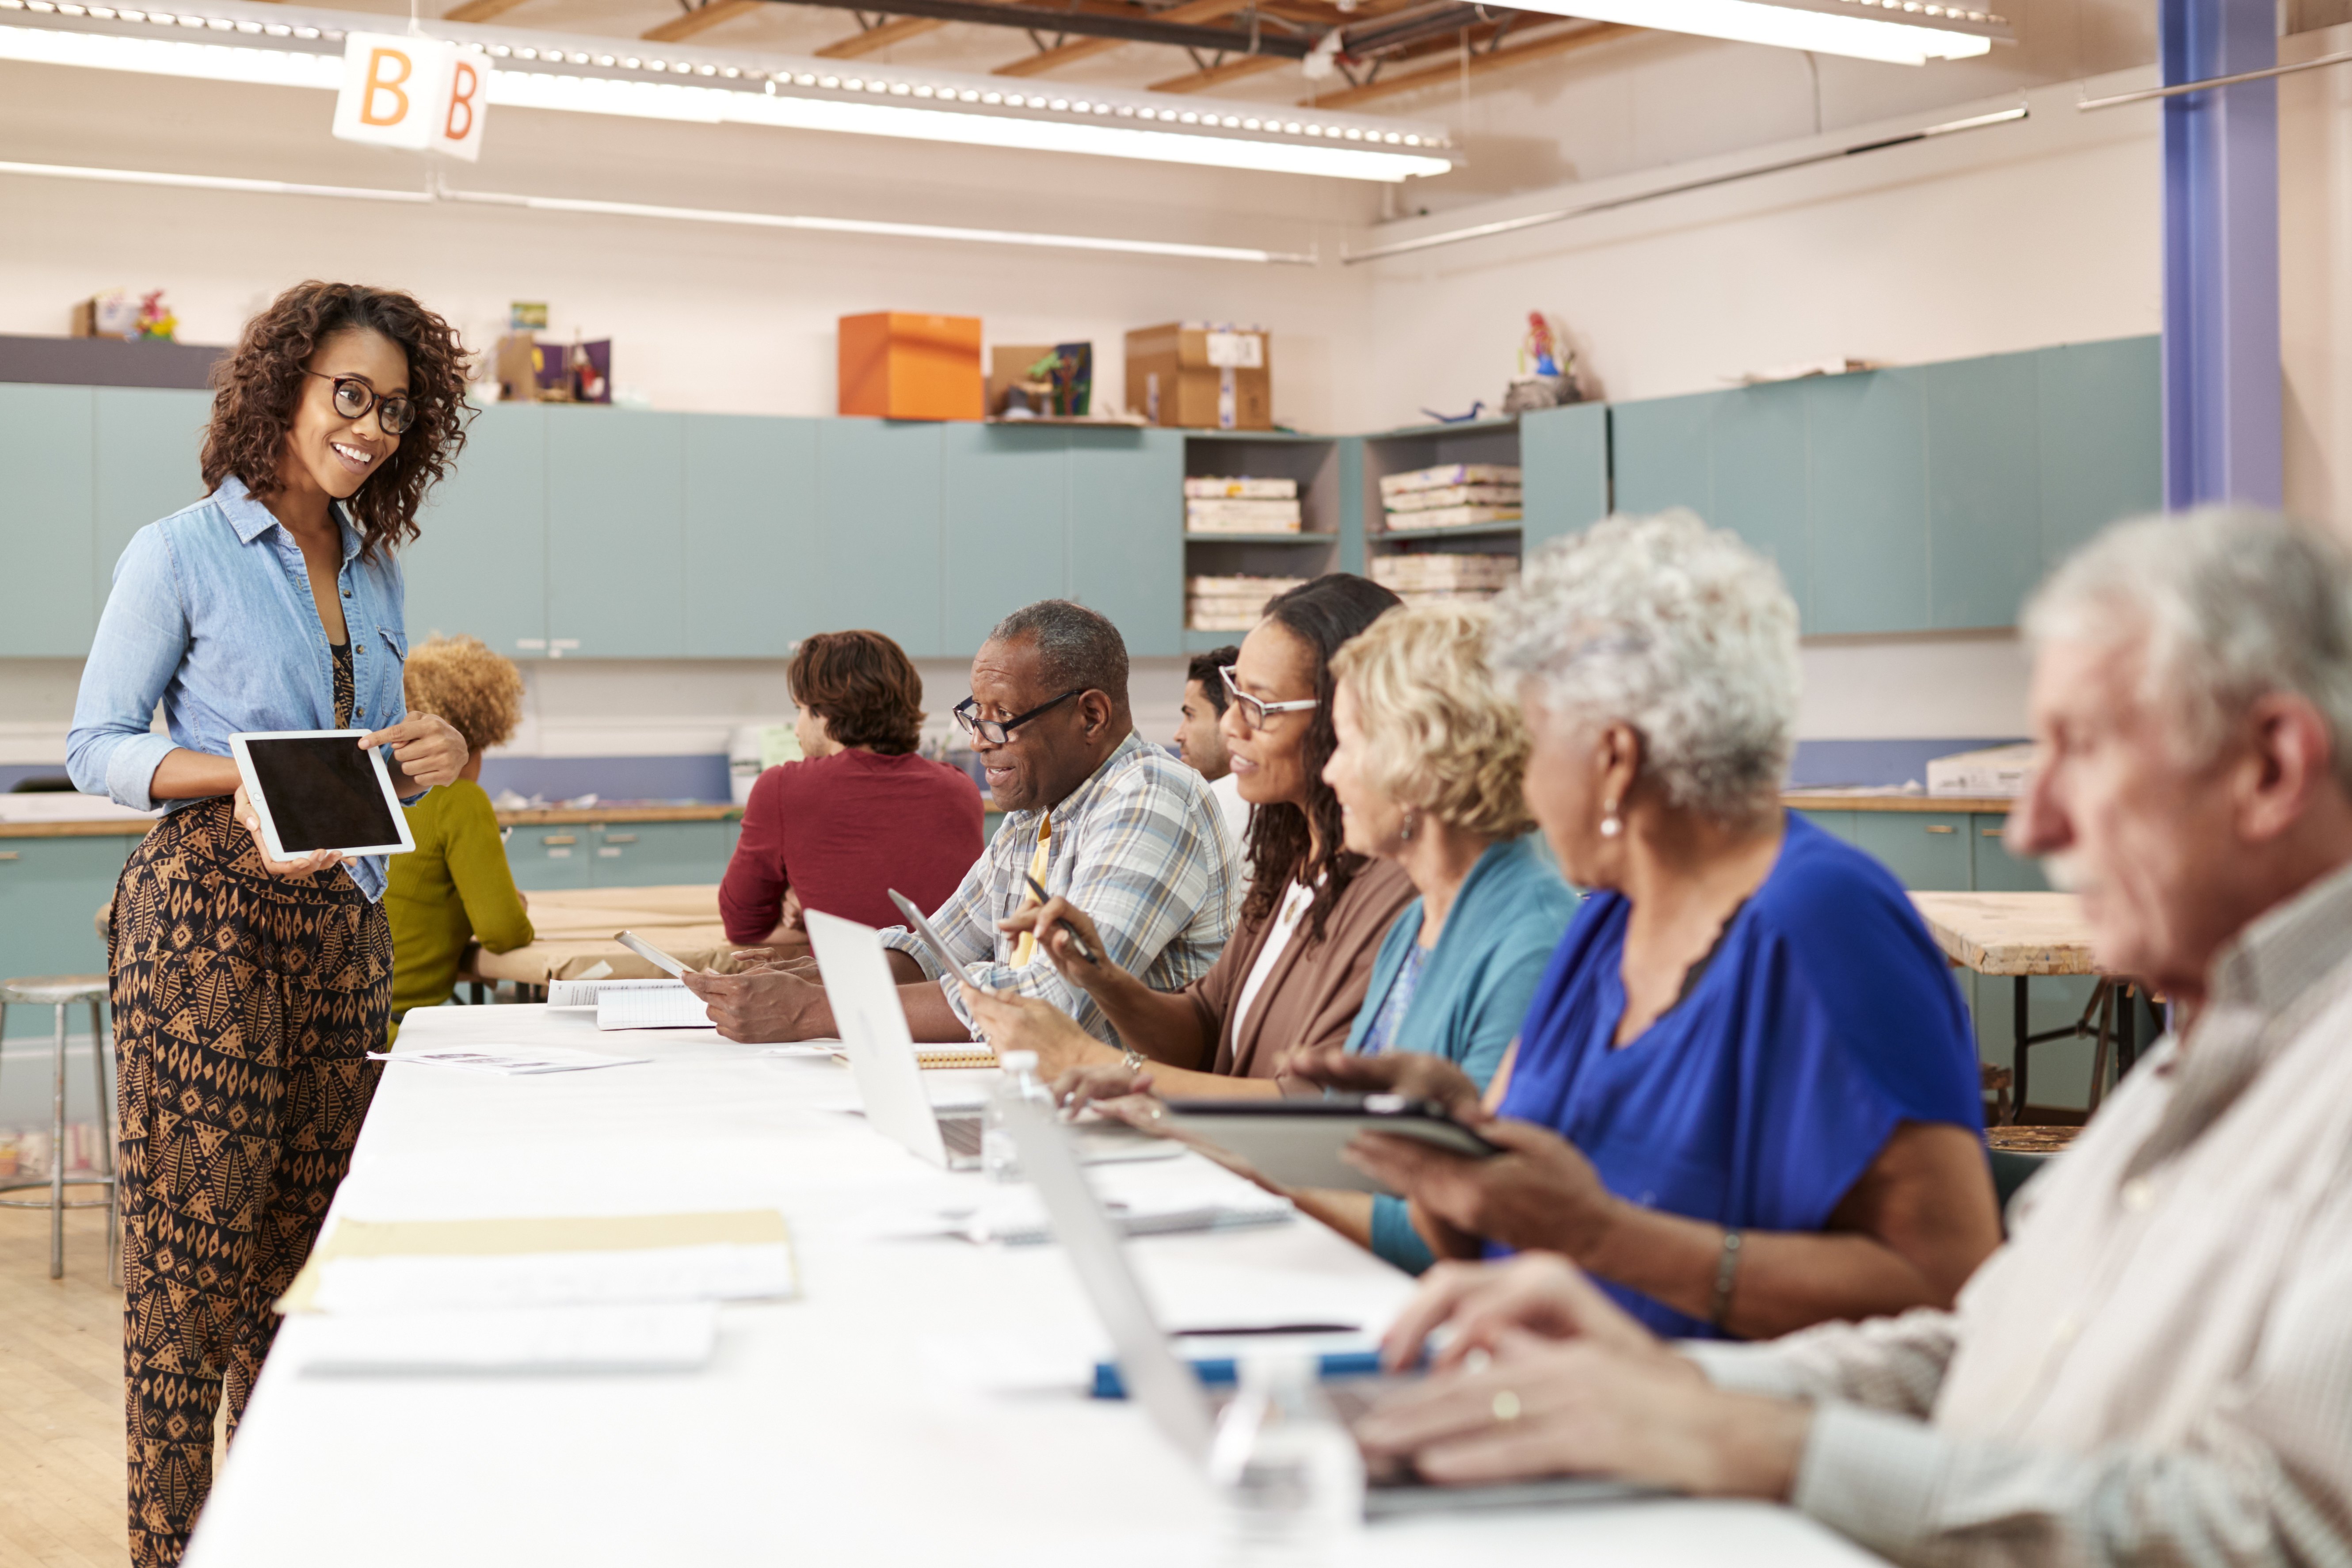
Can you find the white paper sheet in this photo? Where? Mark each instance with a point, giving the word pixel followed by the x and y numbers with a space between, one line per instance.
pixel 439 1282
pixel 673 1338
pixel 666 1005
pixel 509 1061
pixel 584 991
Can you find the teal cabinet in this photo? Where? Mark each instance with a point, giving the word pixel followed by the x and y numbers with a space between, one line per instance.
pixel 1836 824
pixel 1762 489
pixel 1005 523
pixel 551 856
pixel 479 565
pixel 753 561
pixel 657 854
pixel 47 515
pixel 615 533
pixel 878 506
pixel 1866 465
pixel 1996 871
pixel 50 892
pixel 1564 471
pixel 1928 851
pixel 1126 534
pixel 2099 407
pixel 1984 506
pixel 1661 453
pixel 148 446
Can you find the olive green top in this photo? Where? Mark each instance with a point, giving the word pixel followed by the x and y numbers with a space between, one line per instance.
pixel 454 889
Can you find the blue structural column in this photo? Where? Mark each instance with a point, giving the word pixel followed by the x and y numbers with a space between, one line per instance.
pixel 2221 422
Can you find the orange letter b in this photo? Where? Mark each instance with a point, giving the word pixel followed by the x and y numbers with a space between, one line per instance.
pixel 377 82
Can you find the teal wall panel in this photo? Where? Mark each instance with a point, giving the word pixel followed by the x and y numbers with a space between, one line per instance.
pixel 754 564
pixel 1005 503
pixel 478 565
pixel 1984 504
pixel 1761 491
pixel 1660 453
pixel 879 508
pixel 2102 447
pixel 617 533
pixel 1564 470
pixel 148 446
pixel 1127 546
pixel 1867 461
pixel 47 517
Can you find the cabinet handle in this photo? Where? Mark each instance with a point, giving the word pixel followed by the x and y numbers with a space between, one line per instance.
pixel 620 838
pixel 1941 828
pixel 1993 832
pixel 530 645
pixel 555 838
pixel 10 855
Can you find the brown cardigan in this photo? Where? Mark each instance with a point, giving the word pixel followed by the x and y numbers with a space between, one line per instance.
pixel 1314 990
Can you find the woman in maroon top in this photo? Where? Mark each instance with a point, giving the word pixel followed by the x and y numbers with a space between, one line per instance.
pixel 861 814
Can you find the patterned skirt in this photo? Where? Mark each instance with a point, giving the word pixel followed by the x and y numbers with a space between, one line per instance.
pixel 244 1006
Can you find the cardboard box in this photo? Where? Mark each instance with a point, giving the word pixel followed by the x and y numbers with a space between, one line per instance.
pixel 1995 770
pixel 899 365
pixel 1008 366
pixel 1202 377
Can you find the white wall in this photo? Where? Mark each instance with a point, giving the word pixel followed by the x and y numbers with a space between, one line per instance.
pixel 2316 262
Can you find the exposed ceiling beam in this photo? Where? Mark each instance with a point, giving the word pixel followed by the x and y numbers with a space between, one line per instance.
pixel 879 38
pixel 1089 19
pixel 1479 65
pixel 479 10
pixel 1218 75
pixel 1045 61
pixel 708 15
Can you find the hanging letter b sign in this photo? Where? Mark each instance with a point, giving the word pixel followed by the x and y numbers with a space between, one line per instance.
pixel 423 94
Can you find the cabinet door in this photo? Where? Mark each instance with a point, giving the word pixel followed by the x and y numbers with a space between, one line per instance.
pixel 878 507
pixel 615 533
pixel 1564 471
pixel 148 448
pixel 754 568
pixel 1126 533
pixel 1928 851
pixel 1866 460
pixel 550 857
pixel 1659 453
pixel 1984 500
pixel 478 567
pixel 658 854
pixel 1837 824
pixel 1756 442
pixel 2102 419
pixel 47 514
pixel 1005 494
pixel 1997 870
pixel 50 892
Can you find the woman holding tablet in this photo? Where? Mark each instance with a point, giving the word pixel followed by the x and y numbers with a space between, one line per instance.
pixel 248 990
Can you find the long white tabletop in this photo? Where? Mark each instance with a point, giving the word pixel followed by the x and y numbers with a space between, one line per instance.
pixel 867 1421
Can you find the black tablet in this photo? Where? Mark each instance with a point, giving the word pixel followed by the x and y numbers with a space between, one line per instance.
pixel 1296 1143
pixel 316 789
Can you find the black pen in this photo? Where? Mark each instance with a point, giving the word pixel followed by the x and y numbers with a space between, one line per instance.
pixel 1076 941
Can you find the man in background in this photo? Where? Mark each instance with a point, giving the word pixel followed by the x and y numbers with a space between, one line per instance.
pixel 1202 745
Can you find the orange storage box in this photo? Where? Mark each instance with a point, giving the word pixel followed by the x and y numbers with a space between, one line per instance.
pixel 899 365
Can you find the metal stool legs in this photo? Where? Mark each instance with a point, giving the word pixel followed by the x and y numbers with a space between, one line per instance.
pixel 61 993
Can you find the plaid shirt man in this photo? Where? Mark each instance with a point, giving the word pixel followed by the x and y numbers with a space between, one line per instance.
pixel 1137 846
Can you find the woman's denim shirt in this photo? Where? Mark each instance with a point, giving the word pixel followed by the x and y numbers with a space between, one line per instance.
pixel 211 615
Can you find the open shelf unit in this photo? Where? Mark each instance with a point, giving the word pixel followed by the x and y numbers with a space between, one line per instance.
pixel 1323 467
pixel 1426 447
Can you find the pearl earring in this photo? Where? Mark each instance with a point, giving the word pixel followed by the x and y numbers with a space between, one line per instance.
pixel 1412 825
pixel 1610 825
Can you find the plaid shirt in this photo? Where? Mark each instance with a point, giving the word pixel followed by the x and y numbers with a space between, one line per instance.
pixel 1139 846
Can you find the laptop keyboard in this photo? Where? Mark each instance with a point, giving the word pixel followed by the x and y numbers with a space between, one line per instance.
pixel 962 1134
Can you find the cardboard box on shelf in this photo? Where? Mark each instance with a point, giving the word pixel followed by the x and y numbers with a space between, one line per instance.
pixel 1202 377
pixel 897 364
pixel 1995 770
pixel 113 315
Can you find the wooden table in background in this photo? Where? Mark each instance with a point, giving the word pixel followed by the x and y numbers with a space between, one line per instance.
pixel 574 933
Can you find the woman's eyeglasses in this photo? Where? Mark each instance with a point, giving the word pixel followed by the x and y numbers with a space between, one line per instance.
pixel 355 397
pixel 1256 712
pixel 995 730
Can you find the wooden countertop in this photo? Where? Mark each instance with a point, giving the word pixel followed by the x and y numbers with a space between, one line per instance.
pixel 136 827
pixel 2010 933
pixel 1862 800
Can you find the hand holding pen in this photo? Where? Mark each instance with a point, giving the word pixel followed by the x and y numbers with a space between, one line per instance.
pixel 1048 913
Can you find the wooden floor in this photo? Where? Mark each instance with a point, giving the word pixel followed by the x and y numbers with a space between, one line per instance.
pixel 61 1477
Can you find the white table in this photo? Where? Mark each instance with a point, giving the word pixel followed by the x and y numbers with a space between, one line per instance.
pixel 836 1428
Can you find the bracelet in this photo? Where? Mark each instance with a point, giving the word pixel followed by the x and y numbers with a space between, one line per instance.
pixel 1133 1060
pixel 1727 1269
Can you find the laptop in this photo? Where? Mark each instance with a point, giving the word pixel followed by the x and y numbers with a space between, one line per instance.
pixel 881 1051
pixel 1168 1389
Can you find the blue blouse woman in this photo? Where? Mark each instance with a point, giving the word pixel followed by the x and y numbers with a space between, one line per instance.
pixel 1823 1018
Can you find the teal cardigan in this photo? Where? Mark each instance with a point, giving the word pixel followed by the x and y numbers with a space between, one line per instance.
pixel 1475 985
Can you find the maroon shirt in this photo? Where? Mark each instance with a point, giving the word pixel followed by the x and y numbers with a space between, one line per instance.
pixel 841 831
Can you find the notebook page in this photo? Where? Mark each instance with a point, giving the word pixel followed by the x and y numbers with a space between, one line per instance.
pixel 669 1006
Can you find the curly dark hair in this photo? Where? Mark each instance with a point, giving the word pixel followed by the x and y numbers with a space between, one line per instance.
pixel 260 384
pixel 1323 613
pixel 863 686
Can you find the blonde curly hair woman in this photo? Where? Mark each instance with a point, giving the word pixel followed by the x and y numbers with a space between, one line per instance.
pixel 457 887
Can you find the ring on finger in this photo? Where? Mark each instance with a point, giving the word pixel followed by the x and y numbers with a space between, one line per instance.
pixel 1507 1405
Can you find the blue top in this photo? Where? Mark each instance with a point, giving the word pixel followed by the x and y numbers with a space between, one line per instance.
pixel 1472 989
pixel 1825 1017
pixel 211 613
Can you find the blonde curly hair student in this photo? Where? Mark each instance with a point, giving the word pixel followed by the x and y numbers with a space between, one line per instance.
pixel 457 887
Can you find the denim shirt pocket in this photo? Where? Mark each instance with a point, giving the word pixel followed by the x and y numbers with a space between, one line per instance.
pixel 381 689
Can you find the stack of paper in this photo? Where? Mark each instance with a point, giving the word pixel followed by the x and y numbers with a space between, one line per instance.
pixel 508 1060
pixel 1434 578
pixel 1210 488
pixel 1452 495
pixel 1231 604
pixel 657 1005
pixel 1241 517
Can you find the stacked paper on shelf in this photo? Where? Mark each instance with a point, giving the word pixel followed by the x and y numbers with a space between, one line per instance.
pixel 1220 516
pixel 1214 489
pixel 1995 770
pixel 1453 516
pixel 1454 495
pixel 1434 571
pixel 1445 476
pixel 1230 603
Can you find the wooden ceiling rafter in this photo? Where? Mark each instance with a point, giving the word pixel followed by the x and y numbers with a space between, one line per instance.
pixel 881 36
pixel 1548 45
pixel 1069 52
pixel 701 19
pixel 1214 76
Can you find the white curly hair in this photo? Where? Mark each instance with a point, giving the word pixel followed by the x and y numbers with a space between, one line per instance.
pixel 1679 630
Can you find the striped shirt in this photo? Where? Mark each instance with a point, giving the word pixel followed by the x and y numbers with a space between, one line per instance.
pixel 1139 846
pixel 2157 1366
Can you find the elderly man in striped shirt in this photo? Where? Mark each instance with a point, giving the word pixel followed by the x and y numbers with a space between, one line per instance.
pixel 2157 1366
pixel 1094 813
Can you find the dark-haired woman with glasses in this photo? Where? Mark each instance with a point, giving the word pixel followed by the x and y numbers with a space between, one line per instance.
pixel 1296 970
pixel 248 991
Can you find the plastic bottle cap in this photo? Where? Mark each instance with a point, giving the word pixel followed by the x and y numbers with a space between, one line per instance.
pixel 1018 1061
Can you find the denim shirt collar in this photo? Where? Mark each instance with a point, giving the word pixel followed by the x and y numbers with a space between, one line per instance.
pixel 251 519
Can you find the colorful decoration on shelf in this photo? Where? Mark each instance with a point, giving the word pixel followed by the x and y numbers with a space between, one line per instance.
pixel 1547 378
pixel 1537 343
pixel 156 322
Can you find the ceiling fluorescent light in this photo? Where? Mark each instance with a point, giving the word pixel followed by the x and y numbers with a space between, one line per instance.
pixel 676 215
pixel 1898 32
pixel 171 57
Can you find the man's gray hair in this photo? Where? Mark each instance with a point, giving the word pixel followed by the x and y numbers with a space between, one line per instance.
pixel 1077 649
pixel 1673 627
pixel 2233 602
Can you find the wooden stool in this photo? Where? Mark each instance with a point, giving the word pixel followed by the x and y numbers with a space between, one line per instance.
pixel 61 991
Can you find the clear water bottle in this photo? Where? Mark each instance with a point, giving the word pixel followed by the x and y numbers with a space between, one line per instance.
pixel 998 1157
pixel 1288 1476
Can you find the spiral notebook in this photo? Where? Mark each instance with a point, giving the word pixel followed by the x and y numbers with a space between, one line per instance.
pixel 657 1006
